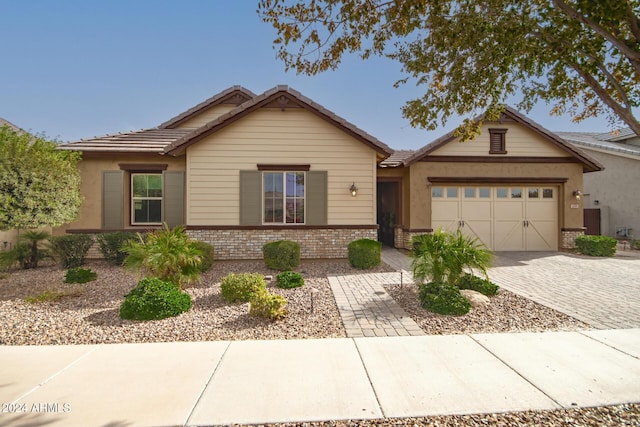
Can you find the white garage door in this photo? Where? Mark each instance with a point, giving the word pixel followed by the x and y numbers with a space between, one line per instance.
pixel 508 218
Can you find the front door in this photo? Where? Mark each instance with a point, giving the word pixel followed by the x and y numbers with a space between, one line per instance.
pixel 388 208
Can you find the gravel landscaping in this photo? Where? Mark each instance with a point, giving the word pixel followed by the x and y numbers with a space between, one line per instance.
pixel 605 416
pixel 93 316
pixel 506 312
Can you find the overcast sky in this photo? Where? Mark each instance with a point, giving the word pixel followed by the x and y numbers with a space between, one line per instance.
pixel 77 69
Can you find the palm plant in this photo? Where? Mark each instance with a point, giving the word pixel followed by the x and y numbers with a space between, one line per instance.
pixel 166 254
pixel 443 257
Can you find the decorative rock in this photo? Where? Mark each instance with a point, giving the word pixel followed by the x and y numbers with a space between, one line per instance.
pixel 475 298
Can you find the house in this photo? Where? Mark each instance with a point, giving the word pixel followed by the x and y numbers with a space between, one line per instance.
pixel 516 187
pixel 612 206
pixel 240 169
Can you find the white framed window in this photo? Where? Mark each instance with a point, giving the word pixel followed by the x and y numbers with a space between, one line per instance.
pixel 146 198
pixel 283 195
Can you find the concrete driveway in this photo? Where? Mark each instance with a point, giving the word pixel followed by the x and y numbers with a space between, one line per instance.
pixel 603 292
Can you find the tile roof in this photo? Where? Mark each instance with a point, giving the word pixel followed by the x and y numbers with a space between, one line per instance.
pixel 142 141
pixel 233 95
pixel 603 141
pixel 396 158
pixel 4 122
pixel 167 140
pixel 281 95
pixel 590 164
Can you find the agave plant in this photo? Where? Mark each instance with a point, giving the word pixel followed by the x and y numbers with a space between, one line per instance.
pixel 443 257
pixel 166 254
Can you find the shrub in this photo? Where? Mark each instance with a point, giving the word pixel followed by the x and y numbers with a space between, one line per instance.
pixel 169 255
pixel 70 250
pixel 281 255
pixel 635 244
pixel 364 253
pixel 28 252
pixel 154 299
pixel 443 298
pixel 80 275
pixel 207 253
pixel 112 245
pixel 596 245
pixel 443 256
pixel 289 279
pixel 241 287
pixel 269 306
pixel 478 284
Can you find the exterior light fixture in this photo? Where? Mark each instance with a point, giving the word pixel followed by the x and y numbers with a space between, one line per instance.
pixel 354 190
pixel 577 194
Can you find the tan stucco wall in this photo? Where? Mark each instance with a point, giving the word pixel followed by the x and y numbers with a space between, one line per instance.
pixel 274 136
pixel 420 193
pixel 616 191
pixel 91 168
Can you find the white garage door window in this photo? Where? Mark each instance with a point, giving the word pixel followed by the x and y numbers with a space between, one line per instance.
pixel 506 218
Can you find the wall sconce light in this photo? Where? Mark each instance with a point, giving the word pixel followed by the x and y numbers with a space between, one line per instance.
pixel 596 202
pixel 577 194
pixel 354 190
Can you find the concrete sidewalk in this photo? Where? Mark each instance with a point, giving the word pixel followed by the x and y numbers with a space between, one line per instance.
pixel 204 383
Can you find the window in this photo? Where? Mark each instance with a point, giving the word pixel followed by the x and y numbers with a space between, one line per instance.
pixel 533 193
pixel 469 192
pixel 436 192
pixel 516 193
pixel 452 192
pixel 484 192
pixel 547 193
pixel 501 193
pixel 497 143
pixel 146 198
pixel 283 197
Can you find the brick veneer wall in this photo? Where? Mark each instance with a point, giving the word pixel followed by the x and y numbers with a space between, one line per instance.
pixel 314 243
pixel 569 237
pixel 403 236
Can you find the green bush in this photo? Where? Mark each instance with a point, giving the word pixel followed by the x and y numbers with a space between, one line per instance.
pixel 364 253
pixel 281 255
pixel 70 250
pixel 443 298
pixel 596 245
pixel 207 251
pixel 289 279
pixel 168 254
pixel 241 287
pixel 635 244
pixel 269 306
pixel 154 299
pixel 112 245
pixel 478 284
pixel 442 257
pixel 80 275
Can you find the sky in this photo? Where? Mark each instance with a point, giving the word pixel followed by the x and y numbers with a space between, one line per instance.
pixel 75 69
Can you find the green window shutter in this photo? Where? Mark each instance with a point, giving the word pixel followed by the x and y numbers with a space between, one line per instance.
pixel 173 198
pixel 113 199
pixel 250 197
pixel 316 209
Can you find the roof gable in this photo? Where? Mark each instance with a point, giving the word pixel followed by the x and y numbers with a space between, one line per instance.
pixel 511 115
pixel 281 97
pixel 235 95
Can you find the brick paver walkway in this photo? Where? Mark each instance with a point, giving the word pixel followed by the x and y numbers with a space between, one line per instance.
pixel 366 308
pixel 603 292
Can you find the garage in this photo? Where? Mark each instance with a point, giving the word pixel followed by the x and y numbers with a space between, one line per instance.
pixel 503 218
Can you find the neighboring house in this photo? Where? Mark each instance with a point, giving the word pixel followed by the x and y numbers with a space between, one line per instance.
pixel 611 199
pixel 241 169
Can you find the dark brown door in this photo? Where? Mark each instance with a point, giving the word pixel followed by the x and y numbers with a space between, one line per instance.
pixel 388 207
pixel 592 222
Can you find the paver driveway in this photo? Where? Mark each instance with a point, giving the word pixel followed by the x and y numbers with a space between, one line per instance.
pixel 603 292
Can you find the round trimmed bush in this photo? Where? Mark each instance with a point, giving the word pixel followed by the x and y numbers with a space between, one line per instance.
pixel 364 253
pixel 443 298
pixel 289 279
pixel 241 287
pixel 478 284
pixel 281 255
pixel 269 306
pixel 154 299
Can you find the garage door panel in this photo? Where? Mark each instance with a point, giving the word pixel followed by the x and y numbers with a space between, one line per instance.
pixel 503 218
pixel 542 236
